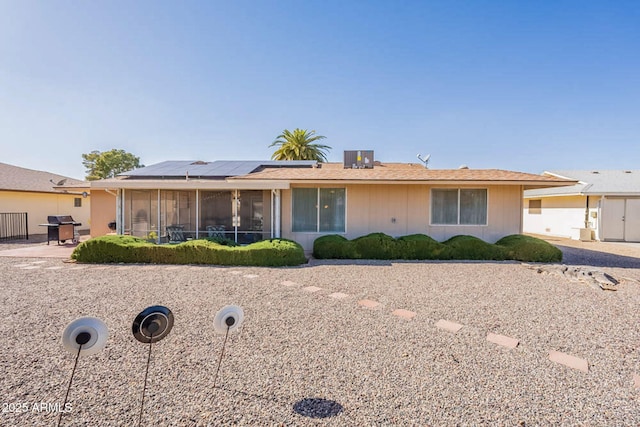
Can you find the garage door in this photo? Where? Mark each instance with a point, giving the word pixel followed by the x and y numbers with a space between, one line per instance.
pixel 621 220
pixel 632 221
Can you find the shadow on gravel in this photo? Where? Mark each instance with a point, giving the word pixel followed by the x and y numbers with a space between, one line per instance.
pixel 311 407
pixel 575 256
pixel 317 408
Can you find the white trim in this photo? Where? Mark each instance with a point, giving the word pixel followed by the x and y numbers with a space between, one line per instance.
pixel 158 218
pixel 197 213
pixel 192 184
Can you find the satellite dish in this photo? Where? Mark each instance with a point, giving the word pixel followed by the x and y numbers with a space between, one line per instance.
pixel 61 182
pixel 425 160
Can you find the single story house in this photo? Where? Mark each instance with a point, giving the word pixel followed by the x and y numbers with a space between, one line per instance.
pixel 603 205
pixel 302 200
pixel 34 195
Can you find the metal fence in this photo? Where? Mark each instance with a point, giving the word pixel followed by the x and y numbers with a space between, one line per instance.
pixel 14 226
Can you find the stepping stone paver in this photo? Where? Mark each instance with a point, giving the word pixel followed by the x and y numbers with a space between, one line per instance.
pixel 338 295
pixel 31 267
pixel 569 360
pixel 449 326
pixel 311 289
pixel 405 314
pixel 502 340
pixel 636 380
pixel 368 303
pixel 250 276
pixel 289 283
pixel 58 267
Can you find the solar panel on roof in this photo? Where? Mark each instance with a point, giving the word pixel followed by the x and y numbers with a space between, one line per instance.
pixel 217 169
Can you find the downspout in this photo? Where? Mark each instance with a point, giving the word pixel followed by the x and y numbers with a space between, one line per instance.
pixel 586 214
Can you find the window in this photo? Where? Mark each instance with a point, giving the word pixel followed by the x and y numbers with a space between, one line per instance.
pixel 535 207
pixel 458 206
pixel 319 209
pixel 77 202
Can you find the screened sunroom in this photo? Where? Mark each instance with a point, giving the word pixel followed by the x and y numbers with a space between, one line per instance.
pixel 172 216
pixel 180 200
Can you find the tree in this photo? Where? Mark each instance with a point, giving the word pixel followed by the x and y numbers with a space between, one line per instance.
pixel 299 145
pixel 108 164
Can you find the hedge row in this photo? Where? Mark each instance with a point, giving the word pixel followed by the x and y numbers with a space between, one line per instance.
pixel 419 246
pixel 128 249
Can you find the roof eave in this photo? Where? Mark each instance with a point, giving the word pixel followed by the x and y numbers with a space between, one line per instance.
pixel 190 184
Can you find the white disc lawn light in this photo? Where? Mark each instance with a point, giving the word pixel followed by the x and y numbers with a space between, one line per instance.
pixel 89 332
pixel 228 319
pixel 86 335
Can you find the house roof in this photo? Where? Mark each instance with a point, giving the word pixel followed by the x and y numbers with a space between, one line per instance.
pixel 592 183
pixel 279 174
pixel 15 178
pixel 404 172
pixel 211 170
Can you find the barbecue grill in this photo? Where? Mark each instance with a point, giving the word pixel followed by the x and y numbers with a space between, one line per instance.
pixel 61 228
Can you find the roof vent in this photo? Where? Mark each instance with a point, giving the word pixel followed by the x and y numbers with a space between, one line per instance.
pixel 200 162
pixel 358 159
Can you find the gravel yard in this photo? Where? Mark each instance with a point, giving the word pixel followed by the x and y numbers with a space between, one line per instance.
pixel 374 367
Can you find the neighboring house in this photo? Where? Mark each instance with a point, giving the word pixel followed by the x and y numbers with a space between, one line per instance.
pixel 302 200
pixel 40 194
pixel 603 205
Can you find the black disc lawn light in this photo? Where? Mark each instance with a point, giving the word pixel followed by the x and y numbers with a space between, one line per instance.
pixel 150 326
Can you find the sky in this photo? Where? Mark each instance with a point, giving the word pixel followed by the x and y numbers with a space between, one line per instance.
pixel 518 85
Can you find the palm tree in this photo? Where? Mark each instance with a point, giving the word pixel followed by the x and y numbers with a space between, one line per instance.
pixel 299 145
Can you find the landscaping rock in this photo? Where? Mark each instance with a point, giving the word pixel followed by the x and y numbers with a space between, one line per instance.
pixel 594 277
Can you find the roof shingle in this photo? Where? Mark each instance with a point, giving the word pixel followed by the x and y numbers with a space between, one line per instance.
pixel 15 178
pixel 400 172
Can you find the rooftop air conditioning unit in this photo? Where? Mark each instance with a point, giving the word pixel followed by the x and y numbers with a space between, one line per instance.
pixel 358 159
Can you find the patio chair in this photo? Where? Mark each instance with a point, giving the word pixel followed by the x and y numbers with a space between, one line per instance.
pixel 216 231
pixel 176 233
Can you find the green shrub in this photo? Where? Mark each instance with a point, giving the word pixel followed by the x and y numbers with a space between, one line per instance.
pixel 529 249
pixel 333 246
pixel 420 246
pixel 224 241
pixel 472 248
pixel 376 246
pixel 128 249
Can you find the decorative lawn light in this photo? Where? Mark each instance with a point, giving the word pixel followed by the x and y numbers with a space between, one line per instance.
pixel 227 319
pixel 150 326
pixel 86 335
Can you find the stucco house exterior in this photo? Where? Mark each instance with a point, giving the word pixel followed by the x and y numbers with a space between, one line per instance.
pixel 603 205
pixel 302 200
pixel 39 194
